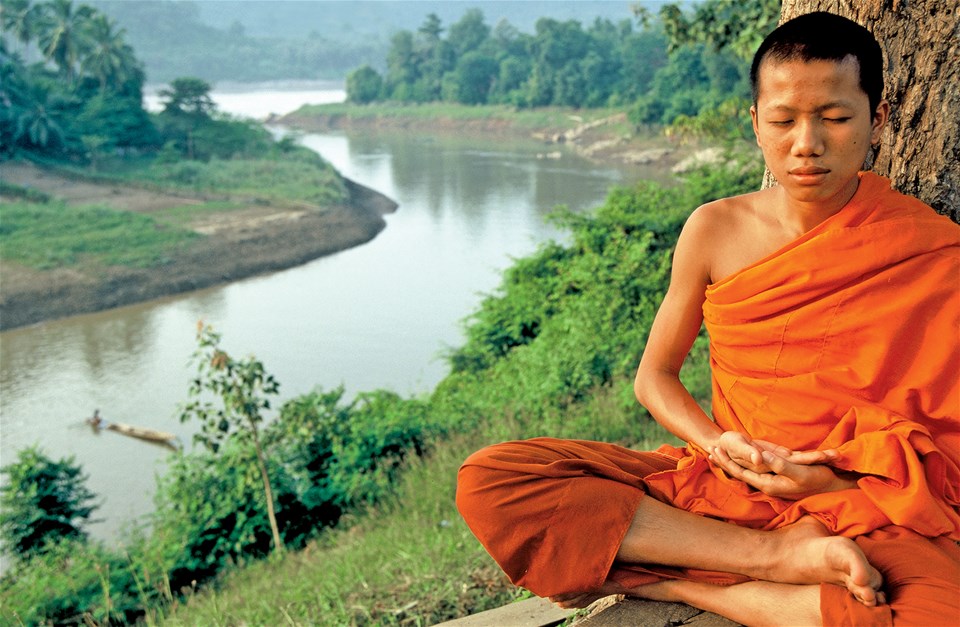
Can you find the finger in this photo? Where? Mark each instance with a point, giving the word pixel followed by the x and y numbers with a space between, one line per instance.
pixel 777 464
pixel 739 446
pixel 808 458
pixel 776 449
pixel 737 471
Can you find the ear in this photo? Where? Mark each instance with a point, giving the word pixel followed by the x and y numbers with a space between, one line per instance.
pixel 880 117
pixel 756 126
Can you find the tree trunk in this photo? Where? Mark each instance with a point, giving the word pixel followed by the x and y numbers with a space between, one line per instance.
pixel 920 148
pixel 267 491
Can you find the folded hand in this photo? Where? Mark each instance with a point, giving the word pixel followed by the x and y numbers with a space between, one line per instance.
pixel 783 473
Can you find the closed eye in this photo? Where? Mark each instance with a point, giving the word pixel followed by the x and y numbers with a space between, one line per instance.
pixel 837 120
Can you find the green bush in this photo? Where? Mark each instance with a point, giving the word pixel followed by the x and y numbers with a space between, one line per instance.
pixel 568 320
pixel 346 455
pixel 43 502
pixel 325 457
pixel 74 583
pixel 210 511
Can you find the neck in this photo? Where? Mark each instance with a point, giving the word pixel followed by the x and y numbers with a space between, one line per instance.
pixel 798 216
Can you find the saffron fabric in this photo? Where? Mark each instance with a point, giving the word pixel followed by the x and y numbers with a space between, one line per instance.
pixel 846 339
pixel 553 513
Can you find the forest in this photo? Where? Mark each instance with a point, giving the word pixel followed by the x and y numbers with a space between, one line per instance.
pixel 73 85
pixel 269 40
pixel 561 64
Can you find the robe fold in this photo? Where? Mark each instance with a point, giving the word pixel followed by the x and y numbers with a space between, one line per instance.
pixel 845 339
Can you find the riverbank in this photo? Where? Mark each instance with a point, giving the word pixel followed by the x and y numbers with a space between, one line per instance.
pixel 249 239
pixel 277 236
pixel 602 135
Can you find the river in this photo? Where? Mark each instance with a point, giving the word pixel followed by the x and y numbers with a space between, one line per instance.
pixel 379 315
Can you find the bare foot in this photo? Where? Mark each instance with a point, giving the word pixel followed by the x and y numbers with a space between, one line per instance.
pixel 806 553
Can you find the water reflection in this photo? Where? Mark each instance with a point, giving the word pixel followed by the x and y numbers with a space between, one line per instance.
pixel 375 316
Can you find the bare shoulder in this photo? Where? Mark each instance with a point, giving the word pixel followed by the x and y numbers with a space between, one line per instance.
pixel 729 213
pixel 721 233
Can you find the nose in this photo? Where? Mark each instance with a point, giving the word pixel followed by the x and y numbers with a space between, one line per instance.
pixel 808 140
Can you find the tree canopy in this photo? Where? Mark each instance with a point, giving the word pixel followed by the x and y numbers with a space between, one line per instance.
pixel 88 83
pixel 562 63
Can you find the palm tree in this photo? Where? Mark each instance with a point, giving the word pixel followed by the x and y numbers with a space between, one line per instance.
pixel 107 55
pixel 19 18
pixel 37 124
pixel 61 34
pixel 13 95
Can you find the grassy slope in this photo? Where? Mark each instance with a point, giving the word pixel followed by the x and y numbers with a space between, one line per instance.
pixel 409 561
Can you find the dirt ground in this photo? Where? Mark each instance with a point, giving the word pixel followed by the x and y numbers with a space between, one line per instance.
pixel 267 238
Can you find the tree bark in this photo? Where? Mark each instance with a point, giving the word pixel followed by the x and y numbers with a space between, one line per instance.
pixel 920 147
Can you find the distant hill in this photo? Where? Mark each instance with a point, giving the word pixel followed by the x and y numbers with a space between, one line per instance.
pixel 339 19
pixel 261 40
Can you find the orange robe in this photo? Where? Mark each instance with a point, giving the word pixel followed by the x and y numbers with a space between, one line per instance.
pixel 846 338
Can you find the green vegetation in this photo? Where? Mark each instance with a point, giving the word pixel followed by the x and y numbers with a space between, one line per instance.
pixel 83 97
pixel 81 107
pixel 53 235
pixel 303 177
pixel 562 64
pixel 365 488
pixel 79 110
pixel 44 502
pixel 243 387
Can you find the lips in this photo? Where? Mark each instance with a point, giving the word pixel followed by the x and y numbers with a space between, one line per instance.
pixel 808 170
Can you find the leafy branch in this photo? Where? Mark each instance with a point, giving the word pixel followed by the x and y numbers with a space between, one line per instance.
pixel 243 387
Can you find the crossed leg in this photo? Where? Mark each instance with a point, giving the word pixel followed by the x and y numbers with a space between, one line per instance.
pixel 556 515
pixel 782 562
pixel 803 553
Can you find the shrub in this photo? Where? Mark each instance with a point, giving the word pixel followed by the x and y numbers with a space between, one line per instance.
pixel 345 455
pixel 43 502
pixel 73 583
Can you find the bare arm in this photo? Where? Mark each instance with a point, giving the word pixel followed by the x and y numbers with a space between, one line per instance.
pixel 675 327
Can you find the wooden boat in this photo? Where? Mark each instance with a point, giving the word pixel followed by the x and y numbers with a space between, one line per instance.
pixel 141 432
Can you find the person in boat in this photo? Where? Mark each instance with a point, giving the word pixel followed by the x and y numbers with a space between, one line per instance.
pixel 95 421
pixel 824 489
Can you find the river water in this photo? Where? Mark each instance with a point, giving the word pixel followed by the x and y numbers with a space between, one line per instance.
pixel 379 315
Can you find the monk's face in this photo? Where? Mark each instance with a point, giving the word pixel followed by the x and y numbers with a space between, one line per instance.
pixel 814 125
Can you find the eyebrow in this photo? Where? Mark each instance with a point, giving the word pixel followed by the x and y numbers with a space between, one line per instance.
pixel 840 104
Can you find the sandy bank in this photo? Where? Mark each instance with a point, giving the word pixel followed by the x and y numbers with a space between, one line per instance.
pixel 244 242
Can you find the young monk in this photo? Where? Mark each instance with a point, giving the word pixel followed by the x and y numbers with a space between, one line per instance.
pixel 824 489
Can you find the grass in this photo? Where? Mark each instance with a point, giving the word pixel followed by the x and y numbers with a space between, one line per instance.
pixel 289 180
pixel 181 214
pixel 409 561
pixel 54 235
pixel 43 233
